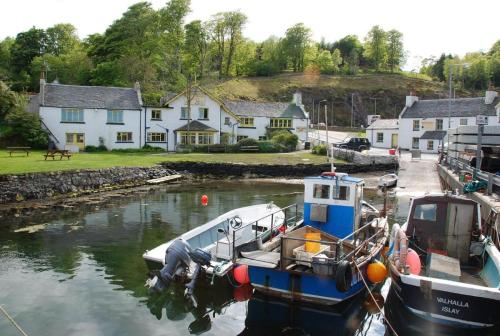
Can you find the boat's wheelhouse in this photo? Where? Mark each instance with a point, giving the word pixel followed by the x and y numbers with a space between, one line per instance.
pixel 332 203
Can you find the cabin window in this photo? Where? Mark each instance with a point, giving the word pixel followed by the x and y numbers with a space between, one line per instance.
pixel 321 191
pixel 341 193
pixel 425 212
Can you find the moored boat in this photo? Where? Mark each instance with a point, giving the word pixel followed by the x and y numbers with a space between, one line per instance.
pixel 450 275
pixel 388 181
pixel 324 260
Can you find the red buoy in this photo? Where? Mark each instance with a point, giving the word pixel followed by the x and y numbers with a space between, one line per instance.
pixel 204 200
pixel 241 274
pixel 243 293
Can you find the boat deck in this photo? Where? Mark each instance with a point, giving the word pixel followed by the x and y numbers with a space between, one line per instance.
pixel 471 276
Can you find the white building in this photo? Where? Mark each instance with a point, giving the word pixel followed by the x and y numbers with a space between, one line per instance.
pixel 78 116
pixel 423 124
pixel 383 133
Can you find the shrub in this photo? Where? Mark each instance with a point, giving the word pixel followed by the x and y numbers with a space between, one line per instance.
pixel 319 150
pixel 285 139
pixel 92 149
pixel 270 147
pixel 145 149
pixel 248 142
pixel 199 148
pixel 23 128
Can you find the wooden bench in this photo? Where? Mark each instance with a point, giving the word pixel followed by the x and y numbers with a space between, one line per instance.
pixel 249 148
pixel 57 152
pixel 19 150
pixel 217 149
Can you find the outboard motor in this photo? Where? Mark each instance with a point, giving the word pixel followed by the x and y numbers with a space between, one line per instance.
pixel 201 258
pixel 176 261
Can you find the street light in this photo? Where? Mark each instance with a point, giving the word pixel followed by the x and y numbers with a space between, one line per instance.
pixel 450 77
pixel 326 126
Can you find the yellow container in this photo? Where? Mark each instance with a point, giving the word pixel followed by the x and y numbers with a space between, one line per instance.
pixel 312 247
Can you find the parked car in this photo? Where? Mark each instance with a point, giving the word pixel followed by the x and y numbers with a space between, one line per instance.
pixel 357 144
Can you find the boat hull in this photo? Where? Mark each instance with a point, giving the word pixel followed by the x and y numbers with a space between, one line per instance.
pixel 448 303
pixel 301 286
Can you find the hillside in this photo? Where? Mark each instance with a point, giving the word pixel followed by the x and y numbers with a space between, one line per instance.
pixel 390 91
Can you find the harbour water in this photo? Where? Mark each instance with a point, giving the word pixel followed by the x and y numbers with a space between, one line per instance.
pixel 79 271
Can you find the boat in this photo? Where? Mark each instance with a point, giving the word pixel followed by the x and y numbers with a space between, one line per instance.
pixel 213 247
pixel 324 260
pixel 388 181
pixel 443 265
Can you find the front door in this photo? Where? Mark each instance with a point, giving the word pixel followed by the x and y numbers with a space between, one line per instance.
pixel 394 140
pixel 76 139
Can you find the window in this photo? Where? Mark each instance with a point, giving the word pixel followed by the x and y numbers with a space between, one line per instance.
pixel 416 125
pixel 380 137
pixel 246 122
pixel 155 114
pixel 156 137
pixel 204 138
pixel 262 138
pixel 72 115
pixel 203 113
pixel 124 137
pixel 280 123
pixel 439 124
pixel 184 113
pixel 321 191
pixel 425 212
pixel 184 138
pixel 75 138
pixel 463 122
pixel 241 137
pixel 227 121
pixel 415 143
pixel 341 193
pixel 430 145
pixel 115 117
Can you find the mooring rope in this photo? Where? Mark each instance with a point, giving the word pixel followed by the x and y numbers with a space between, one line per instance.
pixel 375 301
pixel 13 322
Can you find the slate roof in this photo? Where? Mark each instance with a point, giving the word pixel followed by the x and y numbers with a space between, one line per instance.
pixel 265 109
pixel 195 125
pixel 101 97
pixel 433 135
pixel 384 124
pixel 33 105
pixel 461 107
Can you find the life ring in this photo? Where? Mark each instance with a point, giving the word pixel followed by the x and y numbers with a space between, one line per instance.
pixel 343 277
pixel 328 174
pixel 400 246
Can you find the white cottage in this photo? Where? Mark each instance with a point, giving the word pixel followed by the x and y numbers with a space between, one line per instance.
pixel 383 133
pixel 423 124
pixel 77 116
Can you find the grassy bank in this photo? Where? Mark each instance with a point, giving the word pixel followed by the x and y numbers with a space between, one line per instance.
pixel 35 162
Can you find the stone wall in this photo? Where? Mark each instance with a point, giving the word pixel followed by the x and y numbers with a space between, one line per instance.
pixel 264 170
pixel 16 188
pixel 363 158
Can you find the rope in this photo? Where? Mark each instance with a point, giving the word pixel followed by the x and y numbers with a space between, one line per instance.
pixel 13 322
pixel 375 301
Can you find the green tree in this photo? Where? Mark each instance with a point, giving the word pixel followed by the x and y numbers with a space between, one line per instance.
pixel 8 100
pixel 61 39
pixel 395 49
pixel 5 58
pixel 23 128
pixel 196 47
pixel 218 31
pixel 351 65
pixel 27 46
pixel 336 60
pixel 325 62
pixel 376 48
pixel 347 45
pixel 438 68
pixel 297 40
pixel 234 23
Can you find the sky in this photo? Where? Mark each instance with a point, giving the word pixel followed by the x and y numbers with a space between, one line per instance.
pixel 429 27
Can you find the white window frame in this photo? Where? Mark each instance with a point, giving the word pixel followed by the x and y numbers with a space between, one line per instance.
pixel 417 142
pixel 464 122
pixel 381 139
pixel 153 112
pixel 430 144
pixel 416 123
pixel 184 112
pixel 438 121
pixel 115 117
pixel 157 137
pixel 124 137
pixel 72 115
pixel 203 113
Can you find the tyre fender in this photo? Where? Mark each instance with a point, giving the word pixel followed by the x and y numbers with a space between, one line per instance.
pixel 343 276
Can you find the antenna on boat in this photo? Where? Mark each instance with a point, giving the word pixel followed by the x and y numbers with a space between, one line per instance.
pixel 384 210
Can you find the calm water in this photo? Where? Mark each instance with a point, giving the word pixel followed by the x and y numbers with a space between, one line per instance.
pixel 82 273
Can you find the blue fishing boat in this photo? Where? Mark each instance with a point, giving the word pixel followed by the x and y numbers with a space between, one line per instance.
pixel 325 259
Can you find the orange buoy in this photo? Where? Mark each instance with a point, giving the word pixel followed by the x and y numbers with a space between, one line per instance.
pixel 241 274
pixel 204 200
pixel 376 272
pixel 413 262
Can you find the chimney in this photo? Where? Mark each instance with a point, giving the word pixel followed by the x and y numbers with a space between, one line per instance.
pixel 297 98
pixel 411 99
pixel 490 96
pixel 137 88
pixel 42 89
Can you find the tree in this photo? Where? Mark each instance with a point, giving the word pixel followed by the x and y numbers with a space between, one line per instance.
pixel 24 128
pixel 297 40
pixel 325 62
pixel 234 23
pixel 336 60
pixel 8 100
pixel 376 47
pixel 438 68
pixel 346 45
pixel 195 47
pixel 218 31
pixel 351 65
pixel 61 39
pixel 27 46
pixel 395 50
pixel 5 58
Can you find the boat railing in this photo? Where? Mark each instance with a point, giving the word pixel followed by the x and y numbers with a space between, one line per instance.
pixel 333 250
pixel 290 220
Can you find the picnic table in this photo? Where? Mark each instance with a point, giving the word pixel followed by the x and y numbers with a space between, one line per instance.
pixel 19 150
pixel 57 152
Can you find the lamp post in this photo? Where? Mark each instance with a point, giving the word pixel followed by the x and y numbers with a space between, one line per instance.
pixel 326 127
pixel 450 78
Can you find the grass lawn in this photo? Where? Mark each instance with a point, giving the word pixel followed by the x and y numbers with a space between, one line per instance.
pixel 35 162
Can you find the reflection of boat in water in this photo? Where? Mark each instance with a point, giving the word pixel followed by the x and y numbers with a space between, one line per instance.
pixel 273 316
pixel 459 281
